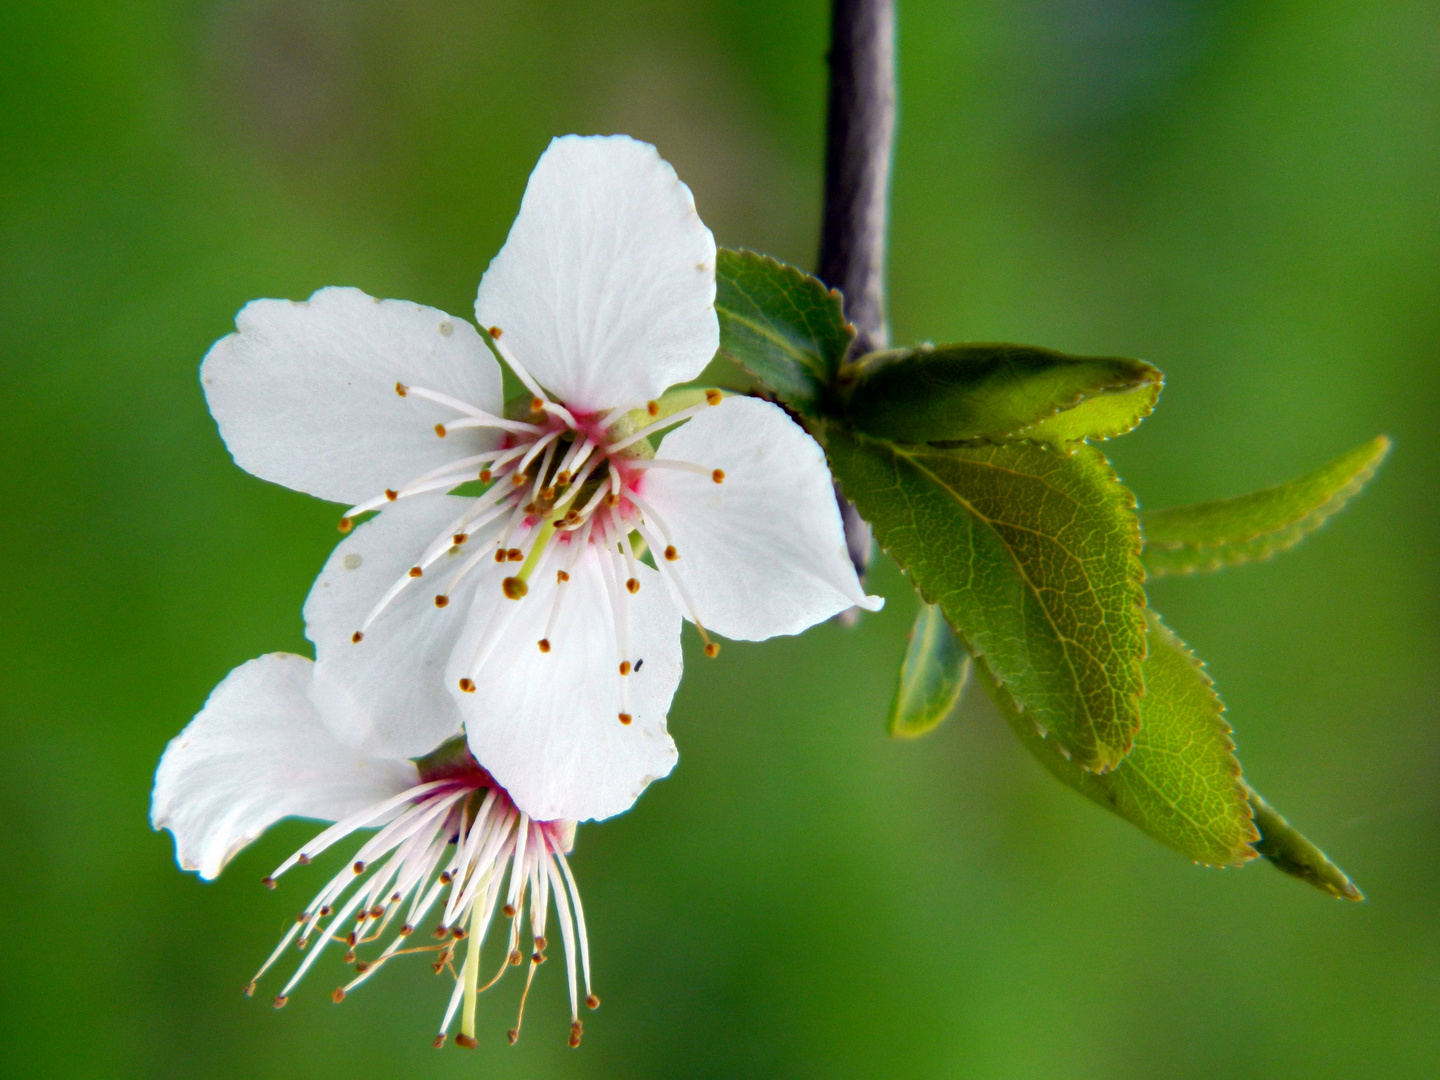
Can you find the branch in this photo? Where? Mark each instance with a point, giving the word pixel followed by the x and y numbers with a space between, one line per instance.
pixel 859 136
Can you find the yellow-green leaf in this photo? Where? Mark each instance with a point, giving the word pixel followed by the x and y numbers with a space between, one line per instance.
pixel 964 393
pixel 1181 783
pixel 933 676
pixel 1283 845
pixel 1248 528
pixel 1033 555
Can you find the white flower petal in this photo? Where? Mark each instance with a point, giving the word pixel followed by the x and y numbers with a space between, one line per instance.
pixel 764 552
pixel 256 753
pixel 605 288
pixel 386 693
pixel 304 393
pixel 547 725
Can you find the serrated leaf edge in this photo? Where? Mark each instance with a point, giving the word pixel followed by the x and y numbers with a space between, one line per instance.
pixel 1247 851
pixel 1237 553
pixel 795 273
pixel 1136 587
pixel 1155 386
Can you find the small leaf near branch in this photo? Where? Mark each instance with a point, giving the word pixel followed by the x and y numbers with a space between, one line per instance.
pixel 1033 555
pixel 964 393
pixel 782 325
pixel 1248 528
pixel 1283 845
pixel 1181 783
pixel 933 676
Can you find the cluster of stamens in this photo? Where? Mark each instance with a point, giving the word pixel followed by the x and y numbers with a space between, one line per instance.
pixel 558 482
pixel 445 843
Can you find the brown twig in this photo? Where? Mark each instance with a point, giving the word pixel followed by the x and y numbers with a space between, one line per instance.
pixel 860 133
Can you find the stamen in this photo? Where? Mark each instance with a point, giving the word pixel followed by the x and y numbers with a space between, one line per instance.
pixel 534 451
pixel 502 352
pixel 661 424
pixel 675 579
pixel 555 409
pixel 668 463
pixel 718 476
pixel 470 411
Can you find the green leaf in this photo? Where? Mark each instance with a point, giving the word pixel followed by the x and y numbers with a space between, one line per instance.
pixel 932 676
pixel 1292 853
pixel 962 393
pixel 1181 783
pixel 1033 555
pixel 782 325
pixel 1251 527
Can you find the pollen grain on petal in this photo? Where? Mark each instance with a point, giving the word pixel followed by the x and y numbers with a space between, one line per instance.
pixel 718 476
pixel 467 685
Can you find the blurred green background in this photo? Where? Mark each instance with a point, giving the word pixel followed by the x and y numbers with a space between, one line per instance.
pixel 1246 195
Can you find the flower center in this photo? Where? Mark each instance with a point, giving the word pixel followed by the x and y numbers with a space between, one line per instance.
pixel 448 843
pixel 558 481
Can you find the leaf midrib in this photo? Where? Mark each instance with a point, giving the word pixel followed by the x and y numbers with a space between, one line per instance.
pixel 1064 641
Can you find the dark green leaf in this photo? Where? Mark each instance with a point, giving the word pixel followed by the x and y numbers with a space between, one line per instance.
pixel 932 676
pixel 1034 556
pixel 1181 783
pixel 1289 851
pixel 1251 527
pixel 781 325
pixel 961 393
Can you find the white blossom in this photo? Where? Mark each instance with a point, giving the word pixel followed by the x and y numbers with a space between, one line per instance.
pixel 451 847
pixel 537 591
